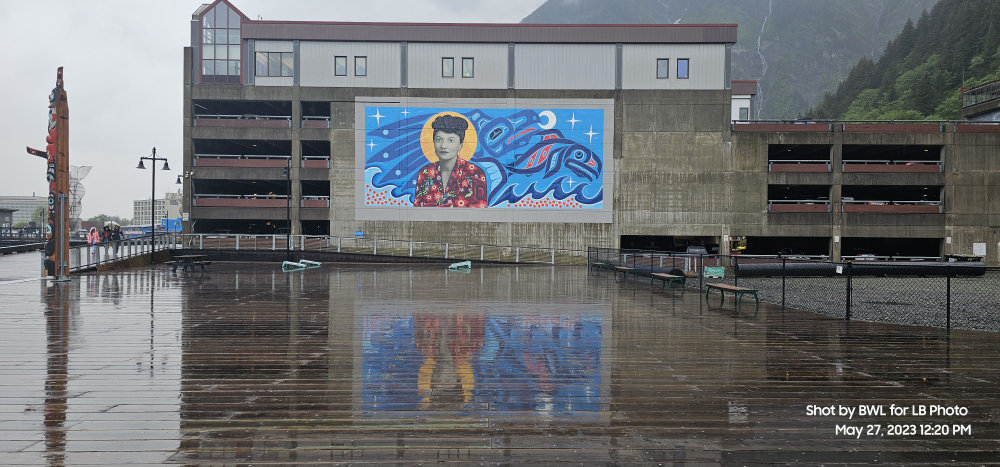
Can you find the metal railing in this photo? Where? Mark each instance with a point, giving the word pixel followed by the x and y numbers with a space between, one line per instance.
pixel 86 257
pixel 979 94
pixel 374 246
pixel 287 118
pixel 912 290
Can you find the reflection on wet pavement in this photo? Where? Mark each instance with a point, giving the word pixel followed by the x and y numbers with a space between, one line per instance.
pixel 383 363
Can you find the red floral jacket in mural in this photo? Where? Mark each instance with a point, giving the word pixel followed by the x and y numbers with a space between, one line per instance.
pixel 466 186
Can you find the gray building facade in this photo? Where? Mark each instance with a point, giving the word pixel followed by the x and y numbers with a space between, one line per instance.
pixel 578 135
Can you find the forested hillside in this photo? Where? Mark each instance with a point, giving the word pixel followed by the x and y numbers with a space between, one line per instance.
pixel 797 49
pixel 923 69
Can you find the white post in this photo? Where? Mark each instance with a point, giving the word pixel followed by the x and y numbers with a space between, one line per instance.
pixel 482 252
pixel 446 251
pixel 338 244
pixel 375 249
pixel 237 242
pixel 517 254
pixel 553 256
pixel 201 241
pixel 411 247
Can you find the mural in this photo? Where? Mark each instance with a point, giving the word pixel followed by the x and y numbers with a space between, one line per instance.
pixel 469 363
pixel 484 157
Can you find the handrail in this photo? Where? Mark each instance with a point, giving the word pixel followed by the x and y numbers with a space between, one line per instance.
pixel 253 196
pixel 244 117
pixel 888 202
pixel 243 156
pixel 889 161
pixel 798 161
pixel 799 201
pixel 367 245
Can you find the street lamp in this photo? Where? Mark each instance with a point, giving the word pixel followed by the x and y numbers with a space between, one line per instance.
pixel 288 213
pixel 152 199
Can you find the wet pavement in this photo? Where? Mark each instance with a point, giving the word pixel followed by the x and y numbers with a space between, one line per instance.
pixel 389 364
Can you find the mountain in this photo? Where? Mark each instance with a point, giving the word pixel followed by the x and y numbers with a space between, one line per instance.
pixel 797 50
pixel 923 69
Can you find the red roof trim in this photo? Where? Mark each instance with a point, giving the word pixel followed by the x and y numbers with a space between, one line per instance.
pixel 230 5
pixel 516 25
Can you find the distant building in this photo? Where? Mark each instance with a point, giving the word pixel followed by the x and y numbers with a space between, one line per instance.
pixel 24 207
pixel 6 222
pixel 982 103
pixel 743 94
pixel 168 207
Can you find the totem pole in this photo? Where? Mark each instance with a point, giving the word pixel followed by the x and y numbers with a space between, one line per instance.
pixel 56 263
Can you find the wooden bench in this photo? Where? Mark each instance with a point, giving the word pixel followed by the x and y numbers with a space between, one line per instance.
pixel 187 264
pixel 739 292
pixel 667 279
pixel 625 270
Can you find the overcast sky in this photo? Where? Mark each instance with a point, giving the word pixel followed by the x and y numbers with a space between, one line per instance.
pixel 123 65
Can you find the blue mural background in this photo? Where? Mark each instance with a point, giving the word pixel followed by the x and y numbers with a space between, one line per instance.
pixel 532 158
pixel 544 363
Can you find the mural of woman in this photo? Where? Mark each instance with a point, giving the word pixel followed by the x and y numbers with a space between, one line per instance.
pixel 450 180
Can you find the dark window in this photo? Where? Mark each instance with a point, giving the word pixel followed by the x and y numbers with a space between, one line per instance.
pixel 340 66
pixel 360 66
pixel 447 67
pixel 744 113
pixel 275 64
pixel 682 68
pixel 220 45
pixel 468 67
pixel 662 68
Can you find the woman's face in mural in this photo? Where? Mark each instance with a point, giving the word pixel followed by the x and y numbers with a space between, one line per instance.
pixel 446 145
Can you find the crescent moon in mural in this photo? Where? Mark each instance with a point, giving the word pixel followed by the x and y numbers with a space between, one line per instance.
pixel 551 119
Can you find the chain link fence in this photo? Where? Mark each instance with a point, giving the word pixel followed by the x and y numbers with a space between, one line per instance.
pixel 960 295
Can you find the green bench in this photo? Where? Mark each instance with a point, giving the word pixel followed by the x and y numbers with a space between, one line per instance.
pixel 739 292
pixel 668 279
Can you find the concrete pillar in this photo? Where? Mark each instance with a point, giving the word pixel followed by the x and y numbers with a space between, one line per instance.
pixel 296 164
pixel 837 214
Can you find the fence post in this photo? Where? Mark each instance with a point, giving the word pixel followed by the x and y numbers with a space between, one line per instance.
pixel 736 268
pixel 237 242
pixel 700 269
pixel 411 247
pixel 375 247
pixel 482 252
pixel 553 256
pixel 783 274
pixel 947 270
pixel 201 241
pixel 338 244
pixel 847 314
pixel 446 250
pixel 517 254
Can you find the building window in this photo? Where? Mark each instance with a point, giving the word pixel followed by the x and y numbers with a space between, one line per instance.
pixel 275 64
pixel 447 67
pixel 662 68
pixel 682 68
pixel 340 66
pixel 468 67
pixel 220 45
pixel 744 113
pixel 360 66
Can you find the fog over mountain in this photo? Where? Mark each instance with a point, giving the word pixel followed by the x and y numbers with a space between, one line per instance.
pixel 797 49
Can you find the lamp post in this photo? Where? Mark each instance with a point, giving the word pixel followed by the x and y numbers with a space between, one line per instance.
pixel 288 213
pixel 152 200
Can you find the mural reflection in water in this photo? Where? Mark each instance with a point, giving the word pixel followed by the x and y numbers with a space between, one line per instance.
pixel 548 365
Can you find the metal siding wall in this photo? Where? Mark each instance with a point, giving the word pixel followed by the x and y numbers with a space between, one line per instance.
pixel 564 66
pixel 424 64
pixel 274 46
pixel 706 68
pixel 383 64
